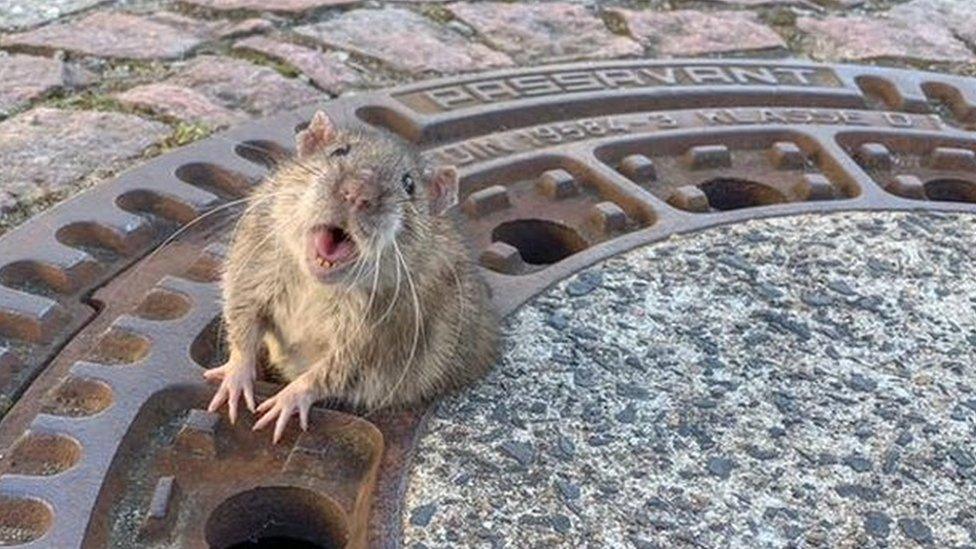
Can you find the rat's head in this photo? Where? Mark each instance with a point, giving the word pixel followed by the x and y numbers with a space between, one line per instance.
pixel 350 196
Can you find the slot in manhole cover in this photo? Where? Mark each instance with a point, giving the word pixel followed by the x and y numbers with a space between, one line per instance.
pixel 103 333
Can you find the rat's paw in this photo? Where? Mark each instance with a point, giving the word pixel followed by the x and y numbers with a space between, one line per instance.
pixel 297 397
pixel 235 379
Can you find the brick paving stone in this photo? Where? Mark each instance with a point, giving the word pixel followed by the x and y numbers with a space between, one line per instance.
pixel 239 85
pixel 691 32
pixel 27 13
pixel 404 40
pixel 117 35
pixel 544 32
pixel 864 39
pixel 327 70
pixel 957 15
pixel 289 7
pixel 178 102
pixel 24 78
pixel 767 3
pixel 44 150
pixel 246 27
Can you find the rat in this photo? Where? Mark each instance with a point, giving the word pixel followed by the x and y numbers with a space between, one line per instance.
pixel 347 270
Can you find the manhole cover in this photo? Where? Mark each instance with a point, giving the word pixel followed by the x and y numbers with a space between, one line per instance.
pixel 106 322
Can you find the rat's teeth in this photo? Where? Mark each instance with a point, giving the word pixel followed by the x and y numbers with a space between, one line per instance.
pixel 327 264
pixel 320 261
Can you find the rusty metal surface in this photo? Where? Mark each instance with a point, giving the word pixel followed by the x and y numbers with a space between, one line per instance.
pixel 103 333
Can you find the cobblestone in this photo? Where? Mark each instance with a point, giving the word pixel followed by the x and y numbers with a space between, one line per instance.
pixel 288 7
pixel 24 78
pixel 959 16
pixel 45 150
pixel 328 70
pixel 116 35
pixel 178 102
pixel 27 13
pixel 690 32
pixel 540 33
pixel 243 86
pixel 857 38
pixel 408 42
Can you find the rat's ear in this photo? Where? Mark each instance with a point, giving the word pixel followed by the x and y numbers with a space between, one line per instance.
pixel 318 134
pixel 442 191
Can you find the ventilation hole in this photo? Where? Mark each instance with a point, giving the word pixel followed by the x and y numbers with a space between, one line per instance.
pixel 879 92
pixel 731 194
pixel 158 205
pixel 163 305
pixel 205 269
pixel 36 278
pixel 78 397
pixel 101 242
pixel 951 190
pixel 948 101
pixel 279 516
pixel 540 242
pixel 23 520
pixel 262 152
pixel 119 347
pixel 212 178
pixel 44 455
pixel 208 349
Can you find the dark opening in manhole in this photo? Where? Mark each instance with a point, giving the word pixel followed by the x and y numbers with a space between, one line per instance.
pixel 951 190
pixel 276 542
pixel 540 242
pixel 276 516
pixel 726 193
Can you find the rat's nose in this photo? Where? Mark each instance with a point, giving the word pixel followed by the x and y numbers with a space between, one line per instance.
pixel 358 191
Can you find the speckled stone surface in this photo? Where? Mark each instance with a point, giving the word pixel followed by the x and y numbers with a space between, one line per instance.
pixel 804 381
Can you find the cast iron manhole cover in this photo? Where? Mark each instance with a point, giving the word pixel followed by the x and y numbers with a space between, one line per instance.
pixel 104 330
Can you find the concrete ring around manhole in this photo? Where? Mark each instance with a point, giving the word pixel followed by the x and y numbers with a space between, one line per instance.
pixel 108 310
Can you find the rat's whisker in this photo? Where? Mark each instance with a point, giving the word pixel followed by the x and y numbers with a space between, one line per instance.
pixel 418 315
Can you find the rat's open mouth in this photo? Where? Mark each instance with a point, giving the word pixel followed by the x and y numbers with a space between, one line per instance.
pixel 330 247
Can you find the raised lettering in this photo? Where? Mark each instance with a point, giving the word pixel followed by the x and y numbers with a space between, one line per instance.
pixel 757 74
pixel 577 81
pixel 492 90
pixel 539 84
pixel 448 98
pixel 703 75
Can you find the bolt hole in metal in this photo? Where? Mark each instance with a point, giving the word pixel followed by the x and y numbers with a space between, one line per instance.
pixel 276 516
pixel 726 193
pixel 539 241
pixel 951 190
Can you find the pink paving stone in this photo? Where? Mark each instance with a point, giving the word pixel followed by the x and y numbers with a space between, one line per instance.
pixel 24 78
pixel 293 7
pixel 242 86
pixel 178 102
pixel 404 40
pixel 109 35
pixel 767 3
pixel 690 32
pixel 326 69
pixel 865 38
pixel 246 27
pixel 44 150
pixel 545 32
pixel 959 16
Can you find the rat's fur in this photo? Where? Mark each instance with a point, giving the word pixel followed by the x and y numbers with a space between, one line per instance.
pixel 387 336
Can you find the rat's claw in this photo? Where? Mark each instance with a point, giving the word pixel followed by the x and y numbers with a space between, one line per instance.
pixel 297 397
pixel 235 380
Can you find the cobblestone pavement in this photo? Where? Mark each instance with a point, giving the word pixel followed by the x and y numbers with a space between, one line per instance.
pixel 804 381
pixel 178 70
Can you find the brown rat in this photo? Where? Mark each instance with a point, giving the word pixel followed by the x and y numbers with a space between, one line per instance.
pixel 345 267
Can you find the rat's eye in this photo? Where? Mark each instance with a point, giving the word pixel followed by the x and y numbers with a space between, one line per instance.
pixel 407 181
pixel 341 150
